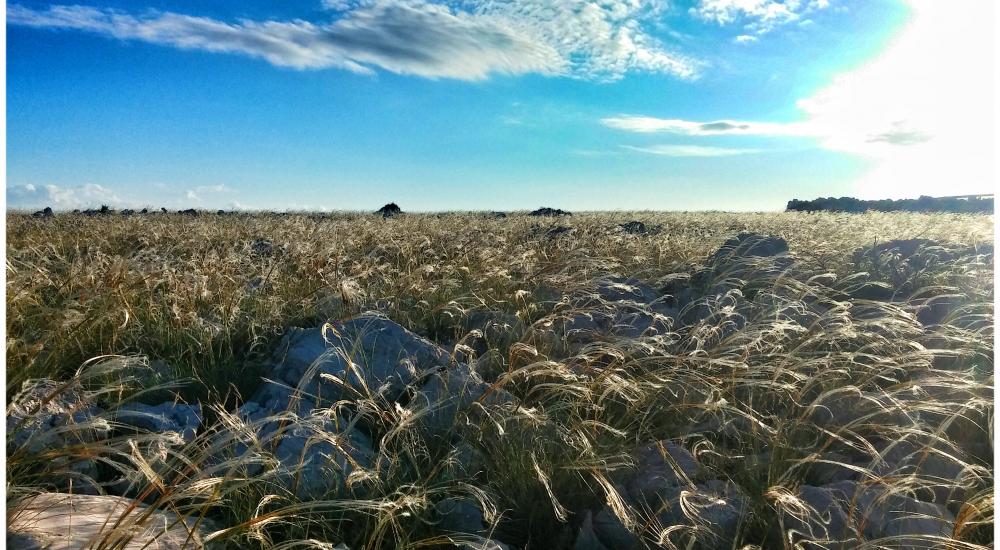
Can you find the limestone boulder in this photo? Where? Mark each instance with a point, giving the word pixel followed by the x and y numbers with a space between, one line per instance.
pixel 662 492
pixel 451 397
pixel 63 521
pixel 365 355
pixel 748 245
pixel 319 457
pixel 181 418
pixel 48 414
pixel 849 514
pixel 658 467
pixel 55 418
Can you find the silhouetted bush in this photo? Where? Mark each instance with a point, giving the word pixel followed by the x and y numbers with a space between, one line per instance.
pixel 390 210
pixel 546 211
pixel 970 204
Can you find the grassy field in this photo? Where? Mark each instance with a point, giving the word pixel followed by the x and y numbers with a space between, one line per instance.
pixel 774 373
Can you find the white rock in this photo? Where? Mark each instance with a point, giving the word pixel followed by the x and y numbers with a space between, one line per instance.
pixel 43 415
pixel 48 416
pixel 61 521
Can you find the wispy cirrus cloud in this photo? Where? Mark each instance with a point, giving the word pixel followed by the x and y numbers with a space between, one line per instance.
pixel 470 40
pixel 863 136
pixel 899 135
pixel 649 125
pixel 691 150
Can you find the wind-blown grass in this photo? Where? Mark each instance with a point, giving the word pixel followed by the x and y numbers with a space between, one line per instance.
pixel 788 376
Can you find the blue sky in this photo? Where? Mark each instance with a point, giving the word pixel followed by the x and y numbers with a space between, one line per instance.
pixel 485 104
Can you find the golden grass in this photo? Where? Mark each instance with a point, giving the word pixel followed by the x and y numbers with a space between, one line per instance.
pixel 750 380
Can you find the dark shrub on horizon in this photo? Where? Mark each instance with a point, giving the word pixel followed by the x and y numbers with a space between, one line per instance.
pixel 546 211
pixel 390 210
pixel 969 204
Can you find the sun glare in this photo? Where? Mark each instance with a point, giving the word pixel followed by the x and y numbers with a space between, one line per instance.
pixel 922 111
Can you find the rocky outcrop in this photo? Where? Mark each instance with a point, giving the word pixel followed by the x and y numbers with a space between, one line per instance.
pixel 390 210
pixel 488 329
pixel 367 354
pixel 634 228
pixel 463 517
pixel 748 245
pixel 53 416
pixel 714 512
pixel 262 248
pixel 612 308
pixel 558 231
pixel 545 211
pixel 318 451
pixel 849 514
pixel 46 414
pixel 317 456
pixel 661 492
pixel 448 396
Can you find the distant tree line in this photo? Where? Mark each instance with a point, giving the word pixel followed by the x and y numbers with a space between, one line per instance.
pixel 966 204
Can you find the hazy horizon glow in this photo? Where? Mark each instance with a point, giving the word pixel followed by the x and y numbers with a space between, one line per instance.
pixel 480 105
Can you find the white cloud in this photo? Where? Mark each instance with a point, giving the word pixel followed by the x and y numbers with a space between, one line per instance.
pixel 921 111
pixel 756 16
pixel 599 40
pixel 575 38
pixel 198 193
pixel 691 150
pixel 219 188
pixel 91 195
pixel 31 196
